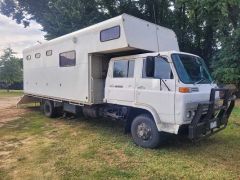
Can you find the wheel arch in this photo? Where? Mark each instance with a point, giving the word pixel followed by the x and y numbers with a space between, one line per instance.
pixel 138 110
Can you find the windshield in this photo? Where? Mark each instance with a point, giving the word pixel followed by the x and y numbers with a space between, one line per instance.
pixel 191 69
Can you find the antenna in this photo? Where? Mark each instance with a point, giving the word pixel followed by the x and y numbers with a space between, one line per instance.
pixel 154 14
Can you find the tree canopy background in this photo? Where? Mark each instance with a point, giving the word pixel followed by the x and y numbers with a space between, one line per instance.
pixel 208 28
pixel 10 69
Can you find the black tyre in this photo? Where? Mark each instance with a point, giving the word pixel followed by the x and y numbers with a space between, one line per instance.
pixel 144 132
pixel 48 109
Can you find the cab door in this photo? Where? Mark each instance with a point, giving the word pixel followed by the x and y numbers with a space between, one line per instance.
pixel 121 82
pixel 155 87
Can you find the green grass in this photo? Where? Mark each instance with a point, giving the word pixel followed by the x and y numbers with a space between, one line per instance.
pixel 11 93
pixel 38 147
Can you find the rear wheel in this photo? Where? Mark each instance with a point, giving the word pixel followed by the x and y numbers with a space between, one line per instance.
pixel 49 109
pixel 144 132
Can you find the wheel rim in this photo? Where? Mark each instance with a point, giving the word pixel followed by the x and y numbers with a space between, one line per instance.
pixel 144 132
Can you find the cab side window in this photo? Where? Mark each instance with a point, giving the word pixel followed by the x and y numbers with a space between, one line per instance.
pixel 131 68
pixel 123 69
pixel 157 67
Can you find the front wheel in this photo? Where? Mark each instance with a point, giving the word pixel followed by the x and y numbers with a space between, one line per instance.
pixel 144 132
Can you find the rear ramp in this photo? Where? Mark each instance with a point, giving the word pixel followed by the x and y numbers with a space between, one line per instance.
pixel 25 99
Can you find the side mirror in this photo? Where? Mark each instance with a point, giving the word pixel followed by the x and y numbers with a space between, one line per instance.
pixel 150 66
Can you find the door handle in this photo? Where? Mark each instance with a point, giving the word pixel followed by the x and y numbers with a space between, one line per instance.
pixel 141 87
pixel 118 86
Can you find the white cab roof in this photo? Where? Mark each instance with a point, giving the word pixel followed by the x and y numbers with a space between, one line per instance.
pixel 163 53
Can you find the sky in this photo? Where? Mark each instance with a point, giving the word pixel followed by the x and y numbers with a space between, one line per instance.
pixel 17 37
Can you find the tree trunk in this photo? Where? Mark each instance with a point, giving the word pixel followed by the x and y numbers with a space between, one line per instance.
pixel 238 91
pixel 8 89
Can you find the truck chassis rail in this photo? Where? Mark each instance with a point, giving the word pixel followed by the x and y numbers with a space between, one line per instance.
pixel 216 118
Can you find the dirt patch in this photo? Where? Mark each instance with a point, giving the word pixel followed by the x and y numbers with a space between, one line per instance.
pixel 9 110
pixel 8 148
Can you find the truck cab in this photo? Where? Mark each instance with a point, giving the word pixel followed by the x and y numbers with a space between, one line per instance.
pixel 172 88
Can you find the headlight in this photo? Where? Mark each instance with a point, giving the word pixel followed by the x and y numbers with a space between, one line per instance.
pixel 189 114
pixel 193 113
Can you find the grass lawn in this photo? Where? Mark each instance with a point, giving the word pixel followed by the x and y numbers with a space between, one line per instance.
pixel 12 93
pixel 38 147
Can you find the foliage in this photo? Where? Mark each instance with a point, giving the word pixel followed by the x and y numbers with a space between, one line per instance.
pixel 201 26
pixel 57 17
pixel 10 68
pixel 12 93
pixel 227 60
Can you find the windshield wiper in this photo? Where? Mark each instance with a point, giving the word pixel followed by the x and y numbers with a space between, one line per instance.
pixel 202 79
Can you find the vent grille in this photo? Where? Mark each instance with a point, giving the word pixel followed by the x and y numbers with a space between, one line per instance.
pixel 194 89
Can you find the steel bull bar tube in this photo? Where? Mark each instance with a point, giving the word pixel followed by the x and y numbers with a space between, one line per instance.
pixel 216 118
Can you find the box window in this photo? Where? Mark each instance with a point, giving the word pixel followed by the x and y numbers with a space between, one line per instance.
pixel 110 34
pixel 28 57
pixel 38 55
pixel 49 53
pixel 67 59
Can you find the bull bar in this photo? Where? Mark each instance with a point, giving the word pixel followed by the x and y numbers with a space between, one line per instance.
pixel 215 119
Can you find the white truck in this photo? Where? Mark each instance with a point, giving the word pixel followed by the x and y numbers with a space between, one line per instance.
pixel 127 69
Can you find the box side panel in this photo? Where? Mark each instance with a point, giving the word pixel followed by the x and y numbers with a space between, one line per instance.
pixel 44 76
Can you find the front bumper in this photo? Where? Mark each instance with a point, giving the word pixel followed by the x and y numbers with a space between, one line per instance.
pixel 216 119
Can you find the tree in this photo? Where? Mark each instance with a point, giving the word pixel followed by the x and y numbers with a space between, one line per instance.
pixel 10 68
pixel 195 22
pixel 199 25
pixel 226 62
pixel 57 17
pixel 203 27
